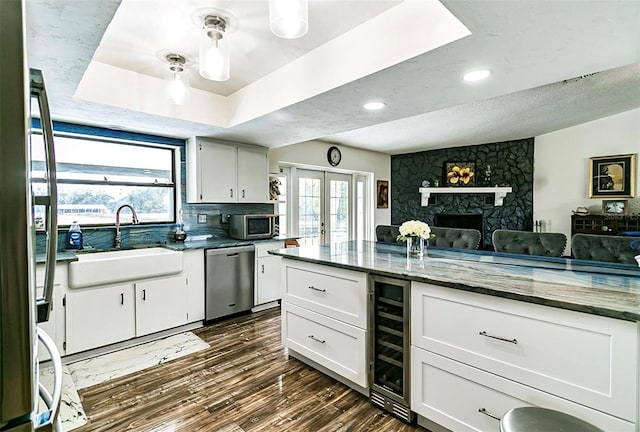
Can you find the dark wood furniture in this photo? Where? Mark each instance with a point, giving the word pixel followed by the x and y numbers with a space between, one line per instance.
pixel 604 225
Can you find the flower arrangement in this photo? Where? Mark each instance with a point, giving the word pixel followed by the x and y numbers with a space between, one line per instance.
pixel 459 175
pixel 414 228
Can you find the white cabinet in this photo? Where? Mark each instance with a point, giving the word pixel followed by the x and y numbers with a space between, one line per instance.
pixel 160 304
pixel 324 318
pixel 55 326
pixel 509 353
pixel 99 316
pixel 219 172
pixel 103 315
pixel 268 283
pixel 193 270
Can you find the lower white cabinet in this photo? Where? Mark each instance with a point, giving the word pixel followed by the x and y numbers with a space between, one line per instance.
pixel 193 270
pixel 463 398
pixel 268 279
pixel 100 316
pixel 55 326
pixel 476 356
pixel 324 318
pixel 338 346
pixel 160 304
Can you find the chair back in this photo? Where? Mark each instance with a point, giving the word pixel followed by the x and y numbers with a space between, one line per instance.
pixel 529 243
pixel 460 238
pixel 617 249
pixel 387 233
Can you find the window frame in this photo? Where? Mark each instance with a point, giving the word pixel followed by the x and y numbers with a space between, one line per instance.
pixel 173 184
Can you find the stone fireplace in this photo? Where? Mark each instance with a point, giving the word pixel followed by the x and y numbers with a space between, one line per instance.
pixel 511 165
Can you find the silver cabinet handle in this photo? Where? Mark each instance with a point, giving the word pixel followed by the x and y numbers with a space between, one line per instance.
pixel 52 401
pixel 312 337
pixel 317 289
pixel 231 193
pixel 144 294
pixel 242 193
pixel 262 268
pixel 488 414
pixel 485 334
pixel 122 299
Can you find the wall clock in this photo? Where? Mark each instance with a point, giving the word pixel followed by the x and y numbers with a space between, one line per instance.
pixel 334 156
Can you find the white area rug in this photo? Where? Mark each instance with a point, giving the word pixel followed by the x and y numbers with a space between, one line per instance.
pixel 86 373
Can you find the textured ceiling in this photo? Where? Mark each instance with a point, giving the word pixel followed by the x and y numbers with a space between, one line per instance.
pixel 531 46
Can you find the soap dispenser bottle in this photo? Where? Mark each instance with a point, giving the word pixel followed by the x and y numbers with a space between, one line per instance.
pixel 74 237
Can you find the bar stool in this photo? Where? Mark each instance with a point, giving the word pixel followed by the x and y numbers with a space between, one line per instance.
pixel 535 419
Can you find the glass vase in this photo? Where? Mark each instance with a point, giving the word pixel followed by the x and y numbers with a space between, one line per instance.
pixel 415 247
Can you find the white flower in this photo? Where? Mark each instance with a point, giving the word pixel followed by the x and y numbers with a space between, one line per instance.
pixel 414 228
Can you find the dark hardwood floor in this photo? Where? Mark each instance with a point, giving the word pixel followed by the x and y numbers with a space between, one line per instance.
pixel 243 382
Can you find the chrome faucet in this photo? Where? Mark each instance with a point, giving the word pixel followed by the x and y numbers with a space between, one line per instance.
pixel 134 220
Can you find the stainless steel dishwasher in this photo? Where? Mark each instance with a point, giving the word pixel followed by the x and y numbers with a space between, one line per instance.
pixel 229 282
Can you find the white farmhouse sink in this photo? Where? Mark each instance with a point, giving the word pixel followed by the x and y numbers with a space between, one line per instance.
pixel 103 268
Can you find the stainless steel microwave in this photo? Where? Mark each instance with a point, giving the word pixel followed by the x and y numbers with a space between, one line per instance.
pixel 252 226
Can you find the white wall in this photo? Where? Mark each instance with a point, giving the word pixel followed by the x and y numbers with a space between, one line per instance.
pixel 561 166
pixel 314 153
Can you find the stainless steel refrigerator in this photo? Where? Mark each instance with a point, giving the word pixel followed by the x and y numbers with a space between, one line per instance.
pixel 21 93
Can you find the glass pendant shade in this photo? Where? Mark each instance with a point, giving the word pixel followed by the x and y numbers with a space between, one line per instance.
pixel 176 82
pixel 289 18
pixel 214 55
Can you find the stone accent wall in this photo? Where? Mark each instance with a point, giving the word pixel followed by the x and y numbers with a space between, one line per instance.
pixel 511 165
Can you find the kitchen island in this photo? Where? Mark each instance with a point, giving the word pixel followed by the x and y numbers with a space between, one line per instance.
pixel 488 331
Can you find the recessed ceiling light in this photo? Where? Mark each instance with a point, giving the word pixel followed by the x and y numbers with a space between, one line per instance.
pixel 373 106
pixel 476 75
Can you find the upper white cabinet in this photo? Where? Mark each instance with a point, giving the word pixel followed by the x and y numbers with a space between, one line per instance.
pixel 219 172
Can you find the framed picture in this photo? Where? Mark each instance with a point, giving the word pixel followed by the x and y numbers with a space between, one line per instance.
pixel 382 193
pixel 614 207
pixel 459 174
pixel 612 176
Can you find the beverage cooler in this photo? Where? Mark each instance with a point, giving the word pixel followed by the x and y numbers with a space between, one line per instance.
pixel 389 345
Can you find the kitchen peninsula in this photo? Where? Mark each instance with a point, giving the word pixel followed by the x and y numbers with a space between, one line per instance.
pixel 488 331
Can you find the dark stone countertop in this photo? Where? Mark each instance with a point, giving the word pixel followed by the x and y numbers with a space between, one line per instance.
pixel 210 243
pixel 606 290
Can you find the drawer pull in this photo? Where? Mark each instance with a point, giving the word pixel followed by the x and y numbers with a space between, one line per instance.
pixel 488 414
pixel 316 339
pixel 484 333
pixel 317 289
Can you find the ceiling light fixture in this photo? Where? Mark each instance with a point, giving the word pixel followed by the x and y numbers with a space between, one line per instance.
pixel 214 49
pixel 177 82
pixel 476 75
pixel 374 106
pixel 289 19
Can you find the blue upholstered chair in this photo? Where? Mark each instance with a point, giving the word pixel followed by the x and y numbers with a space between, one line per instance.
pixel 460 238
pixel 529 243
pixel 617 249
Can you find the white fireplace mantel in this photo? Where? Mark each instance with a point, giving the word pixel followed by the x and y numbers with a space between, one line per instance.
pixel 500 192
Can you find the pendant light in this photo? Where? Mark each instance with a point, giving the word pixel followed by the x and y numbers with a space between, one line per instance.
pixel 289 19
pixel 177 83
pixel 214 49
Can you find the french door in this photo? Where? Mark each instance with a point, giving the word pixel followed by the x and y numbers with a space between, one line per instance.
pixel 325 207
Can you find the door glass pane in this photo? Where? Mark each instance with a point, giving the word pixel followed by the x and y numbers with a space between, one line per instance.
pixel 360 210
pixel 339 210
pixel 309 208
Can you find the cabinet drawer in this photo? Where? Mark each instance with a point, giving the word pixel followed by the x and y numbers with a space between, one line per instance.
pixel 462 398
pixel 262 249
pixel 333 344
pixel 585 358
pixel 342 294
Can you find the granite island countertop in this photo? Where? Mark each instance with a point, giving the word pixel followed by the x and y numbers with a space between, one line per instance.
pixel 612 291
